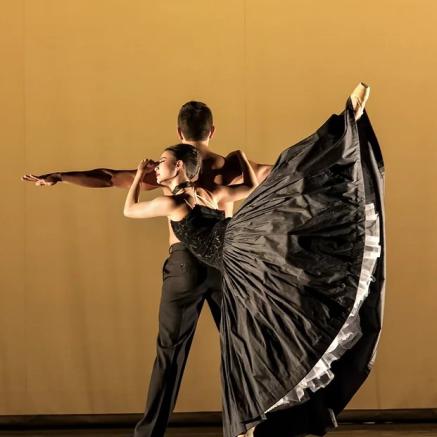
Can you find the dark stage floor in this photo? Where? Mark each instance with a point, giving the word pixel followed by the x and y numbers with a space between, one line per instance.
pixel 386 430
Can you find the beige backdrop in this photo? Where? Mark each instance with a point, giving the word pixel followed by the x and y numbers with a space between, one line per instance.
pixel 92 83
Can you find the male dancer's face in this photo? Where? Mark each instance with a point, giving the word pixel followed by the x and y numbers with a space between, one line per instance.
pixel 167 168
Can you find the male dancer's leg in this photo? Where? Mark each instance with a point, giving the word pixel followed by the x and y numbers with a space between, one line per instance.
pixel 185 286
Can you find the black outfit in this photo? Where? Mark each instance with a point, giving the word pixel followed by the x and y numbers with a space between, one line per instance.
pixel 303 279
pixel 187 283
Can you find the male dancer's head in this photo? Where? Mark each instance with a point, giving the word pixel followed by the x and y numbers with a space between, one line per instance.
pixel 195 123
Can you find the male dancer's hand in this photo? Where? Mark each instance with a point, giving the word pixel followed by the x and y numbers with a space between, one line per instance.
pixel 45 180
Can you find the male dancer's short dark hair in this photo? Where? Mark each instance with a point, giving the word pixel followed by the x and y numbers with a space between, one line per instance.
pixel 195 121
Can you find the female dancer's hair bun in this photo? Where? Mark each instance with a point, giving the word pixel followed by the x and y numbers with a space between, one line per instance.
pixel 189 155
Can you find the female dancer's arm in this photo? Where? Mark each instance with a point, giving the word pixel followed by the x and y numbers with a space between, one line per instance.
pixel 232 193
pixel 158 207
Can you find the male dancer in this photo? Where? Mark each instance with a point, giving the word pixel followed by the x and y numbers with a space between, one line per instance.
pixel 187 283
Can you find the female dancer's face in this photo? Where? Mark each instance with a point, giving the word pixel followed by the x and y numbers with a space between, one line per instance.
pixel 167 168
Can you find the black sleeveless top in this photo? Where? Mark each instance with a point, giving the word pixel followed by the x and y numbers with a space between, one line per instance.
pixel 202 231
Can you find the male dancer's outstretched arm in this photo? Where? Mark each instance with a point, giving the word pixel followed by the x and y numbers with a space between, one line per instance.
pixel 107 177
pixel 96 178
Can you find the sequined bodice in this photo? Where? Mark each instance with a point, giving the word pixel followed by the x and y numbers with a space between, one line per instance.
pixel 202 231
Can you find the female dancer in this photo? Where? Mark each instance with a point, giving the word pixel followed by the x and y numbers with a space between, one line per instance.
pixel 302 267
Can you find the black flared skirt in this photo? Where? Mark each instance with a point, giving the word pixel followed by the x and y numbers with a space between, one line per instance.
pixel 303 282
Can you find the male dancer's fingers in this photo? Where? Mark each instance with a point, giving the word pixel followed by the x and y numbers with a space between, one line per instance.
pixel 29 178
pixel 39 182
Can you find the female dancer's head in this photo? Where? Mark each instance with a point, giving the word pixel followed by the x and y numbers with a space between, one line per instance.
pixel 177 164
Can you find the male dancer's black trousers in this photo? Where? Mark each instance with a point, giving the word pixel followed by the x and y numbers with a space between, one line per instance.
pixel 187 283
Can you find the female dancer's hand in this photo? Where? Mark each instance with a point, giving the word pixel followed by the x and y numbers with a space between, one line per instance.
pixel 146 166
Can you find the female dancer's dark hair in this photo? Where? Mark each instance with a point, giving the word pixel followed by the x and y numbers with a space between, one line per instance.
pixel 190 156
